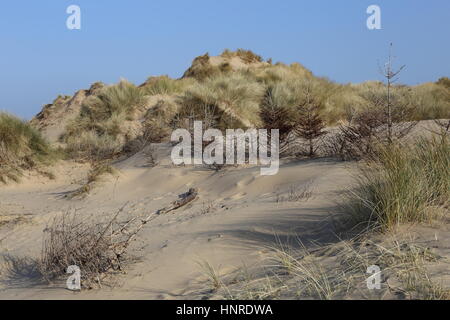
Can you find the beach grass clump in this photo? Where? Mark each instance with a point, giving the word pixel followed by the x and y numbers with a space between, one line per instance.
pixel 98 132
pixel 90 146
pixel 21 148
pixel 229 101
pixel 121 98
pixel 406 184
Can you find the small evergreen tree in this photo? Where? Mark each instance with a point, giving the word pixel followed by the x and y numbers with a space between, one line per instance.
pixel 310 126
pixel 275 116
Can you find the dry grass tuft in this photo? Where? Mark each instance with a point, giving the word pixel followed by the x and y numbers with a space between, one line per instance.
pixel 211 274
pixel 21 148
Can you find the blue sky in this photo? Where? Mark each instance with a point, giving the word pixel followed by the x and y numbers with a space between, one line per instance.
pixel 40 58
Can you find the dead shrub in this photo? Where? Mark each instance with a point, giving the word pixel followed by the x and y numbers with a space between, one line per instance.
pixel 369 129
pixel 334 146
pixel 88 244
pixel 359 139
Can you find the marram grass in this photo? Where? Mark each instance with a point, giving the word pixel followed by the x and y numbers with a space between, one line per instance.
pixel 407 184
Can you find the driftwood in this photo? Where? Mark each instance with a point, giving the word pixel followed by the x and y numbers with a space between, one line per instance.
pixel 185 198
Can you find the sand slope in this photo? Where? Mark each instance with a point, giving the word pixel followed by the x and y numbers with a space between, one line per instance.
pixel 243 218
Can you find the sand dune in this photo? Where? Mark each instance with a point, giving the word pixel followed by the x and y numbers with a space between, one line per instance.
pixel 239 218
pixel 244 218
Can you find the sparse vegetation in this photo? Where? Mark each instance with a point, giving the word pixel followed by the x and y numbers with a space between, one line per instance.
pixel 296 193
pixel 94 244
pixel 211 274
pixel 150 156
pixel 49 108
pixel 207 207
pixel 337 271
pixel 98 170
pixel 443 127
